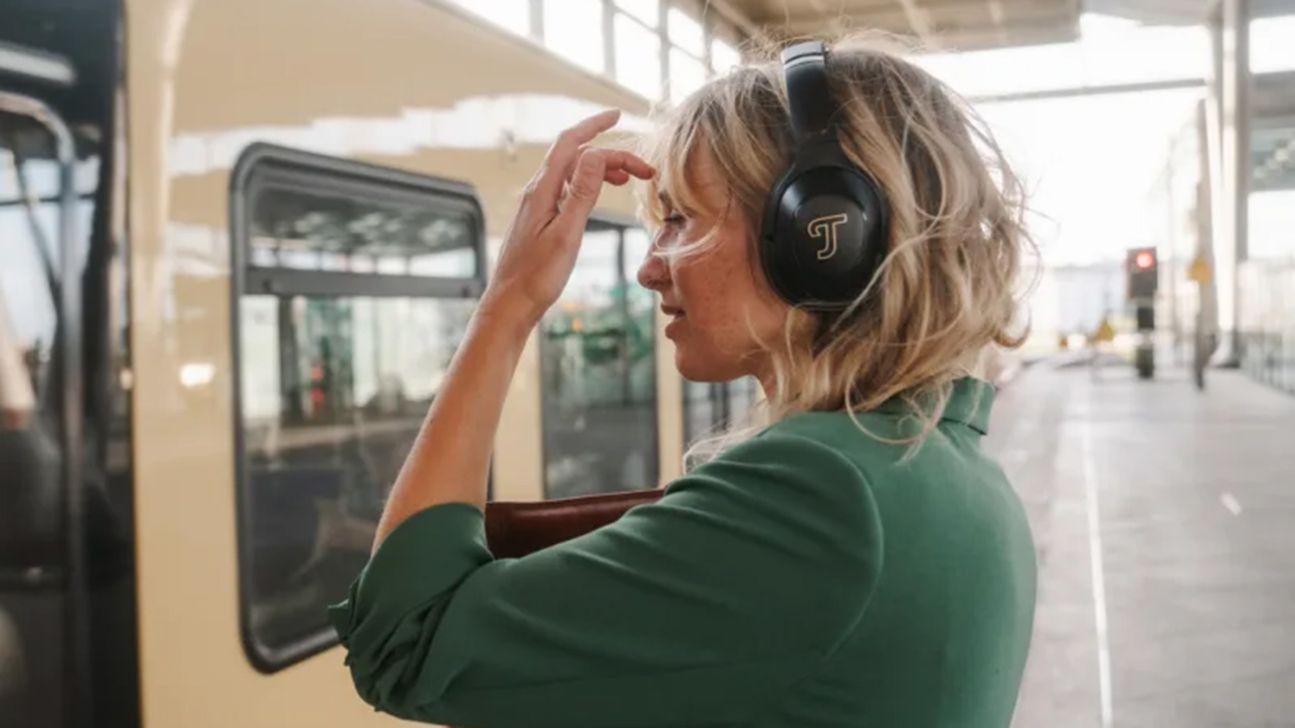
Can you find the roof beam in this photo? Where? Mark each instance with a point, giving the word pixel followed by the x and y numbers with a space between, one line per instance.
pixel 766 14
pixel 960 33
pixel 1078 91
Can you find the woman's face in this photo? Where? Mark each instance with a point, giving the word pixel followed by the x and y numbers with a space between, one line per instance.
pixel 710 297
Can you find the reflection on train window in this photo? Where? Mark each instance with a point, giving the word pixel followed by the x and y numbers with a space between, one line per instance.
pixel 334 391
pixel 709 407
pixel 330 231
pixel 339 360
pixel 599 371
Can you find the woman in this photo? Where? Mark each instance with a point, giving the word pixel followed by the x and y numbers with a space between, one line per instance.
pixel 857 560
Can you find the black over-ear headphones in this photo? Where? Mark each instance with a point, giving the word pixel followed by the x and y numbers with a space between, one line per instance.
pixel 824 230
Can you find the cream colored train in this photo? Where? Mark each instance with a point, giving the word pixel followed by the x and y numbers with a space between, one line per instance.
pixel 238 244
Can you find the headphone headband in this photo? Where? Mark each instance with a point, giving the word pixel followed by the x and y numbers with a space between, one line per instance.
pixel 808 98
pixel 824 227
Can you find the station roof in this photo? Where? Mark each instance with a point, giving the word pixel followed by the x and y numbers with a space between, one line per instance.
pixel 936 24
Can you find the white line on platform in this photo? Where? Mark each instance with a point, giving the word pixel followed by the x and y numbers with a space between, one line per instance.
pixel 1231 503
pixel 1099 578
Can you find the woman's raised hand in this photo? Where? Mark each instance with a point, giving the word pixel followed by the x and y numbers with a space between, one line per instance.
pixel 540 247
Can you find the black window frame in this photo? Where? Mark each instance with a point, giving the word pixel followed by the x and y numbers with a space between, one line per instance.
pixel 604 221
pixel 261 165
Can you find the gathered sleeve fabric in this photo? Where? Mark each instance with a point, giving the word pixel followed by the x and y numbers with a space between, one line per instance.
pixel 701 608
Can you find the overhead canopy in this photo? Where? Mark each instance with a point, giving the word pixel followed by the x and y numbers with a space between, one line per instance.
pixel 936 24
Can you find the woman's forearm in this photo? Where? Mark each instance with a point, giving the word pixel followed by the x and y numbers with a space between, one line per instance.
pixel 450 458
pixel 451 455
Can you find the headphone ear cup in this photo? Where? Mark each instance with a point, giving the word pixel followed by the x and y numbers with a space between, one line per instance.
pixel 824 236
pixel 824 231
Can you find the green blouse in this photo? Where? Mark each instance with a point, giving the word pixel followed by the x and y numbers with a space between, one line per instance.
pixel 811 576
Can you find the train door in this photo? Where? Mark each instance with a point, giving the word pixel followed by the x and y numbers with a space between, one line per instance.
pixel 37 433
pixel 66 591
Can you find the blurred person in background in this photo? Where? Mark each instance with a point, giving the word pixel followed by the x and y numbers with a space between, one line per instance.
pixel 851 555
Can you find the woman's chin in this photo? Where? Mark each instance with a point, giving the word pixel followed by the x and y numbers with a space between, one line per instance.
pixel 698 371
pixel 688 368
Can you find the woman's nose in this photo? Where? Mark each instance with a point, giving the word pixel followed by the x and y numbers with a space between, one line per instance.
pixel 654 273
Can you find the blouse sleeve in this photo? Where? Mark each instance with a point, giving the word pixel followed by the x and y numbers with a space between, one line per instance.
pixel 701 608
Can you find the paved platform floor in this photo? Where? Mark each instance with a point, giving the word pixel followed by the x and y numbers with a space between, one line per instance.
pixel 1165 525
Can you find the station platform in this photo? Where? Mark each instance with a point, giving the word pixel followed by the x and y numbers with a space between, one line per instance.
pixel 1162 518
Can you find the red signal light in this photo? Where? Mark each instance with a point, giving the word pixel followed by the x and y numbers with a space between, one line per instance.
pixel 1141 270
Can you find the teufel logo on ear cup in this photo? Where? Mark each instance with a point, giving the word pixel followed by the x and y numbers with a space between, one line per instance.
pixel 825 227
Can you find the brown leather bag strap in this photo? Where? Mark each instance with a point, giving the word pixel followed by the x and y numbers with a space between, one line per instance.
pixel 515 529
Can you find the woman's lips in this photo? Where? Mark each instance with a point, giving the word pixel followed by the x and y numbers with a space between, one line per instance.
pixel 675 322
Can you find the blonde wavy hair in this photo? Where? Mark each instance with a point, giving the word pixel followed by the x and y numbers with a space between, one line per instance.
pixel 945 293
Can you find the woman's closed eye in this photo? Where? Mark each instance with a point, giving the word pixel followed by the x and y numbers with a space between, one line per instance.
pixel 675 220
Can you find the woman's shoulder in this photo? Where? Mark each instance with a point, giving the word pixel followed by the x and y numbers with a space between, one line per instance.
pixel 819 425
pixel 889 430
pixel 798 453
pixel 786 467
pixel 854 435
pixel 894 445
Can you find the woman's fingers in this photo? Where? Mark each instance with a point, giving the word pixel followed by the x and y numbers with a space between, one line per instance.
pixel 564 153
pixel 621 166
pixel 540 250
pixel 593 168
pixel 629 162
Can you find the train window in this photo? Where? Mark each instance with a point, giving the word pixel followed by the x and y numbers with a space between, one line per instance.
pixel 703 409
pixel 355 286
pixel 710 406
pixel 742 396
pixel 332 230
pixel 598 354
